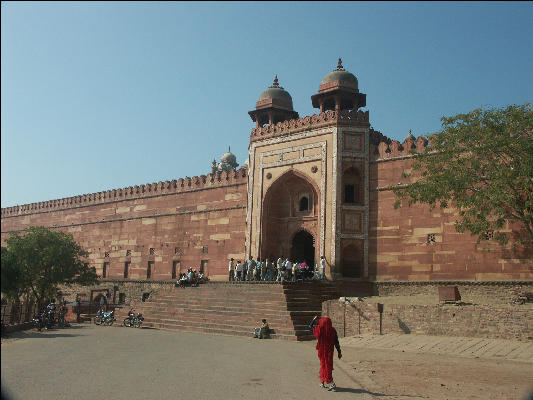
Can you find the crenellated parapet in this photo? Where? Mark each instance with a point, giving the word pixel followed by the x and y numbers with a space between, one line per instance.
pixel 218 179
pixel 389 149
pixel 376 137
pixel 314 121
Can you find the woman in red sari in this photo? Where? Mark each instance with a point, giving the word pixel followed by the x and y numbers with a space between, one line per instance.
pixel 327 339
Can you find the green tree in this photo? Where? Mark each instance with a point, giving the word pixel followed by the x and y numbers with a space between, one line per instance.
pixel 482 164
pixel 41 260
pixel 11 279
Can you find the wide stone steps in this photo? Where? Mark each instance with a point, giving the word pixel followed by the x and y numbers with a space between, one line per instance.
pixel 269 316
pixel 227 308
pixel 230 329
pixel 262 313
pixel 248 320
pixel 253 317
pixel 237 308
pixel 248 324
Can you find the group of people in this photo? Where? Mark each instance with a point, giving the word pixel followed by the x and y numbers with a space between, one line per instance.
pixel 192 277
pixel 281 270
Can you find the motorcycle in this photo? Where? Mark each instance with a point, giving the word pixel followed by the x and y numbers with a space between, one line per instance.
pixel 39 321
pixel 49 315
pixel 109 318
pixel 106 318
pixel 133 319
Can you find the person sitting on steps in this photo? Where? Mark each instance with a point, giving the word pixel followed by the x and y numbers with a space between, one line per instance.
pixel 263 332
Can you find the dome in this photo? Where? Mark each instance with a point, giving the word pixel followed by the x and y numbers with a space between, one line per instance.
pixel 228 158
pixel 341 75
pixel 228 161
pixel 276 92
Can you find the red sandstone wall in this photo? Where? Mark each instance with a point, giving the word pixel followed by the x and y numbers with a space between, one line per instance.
pixel 199 218
pixel 398 239
pixel 479 321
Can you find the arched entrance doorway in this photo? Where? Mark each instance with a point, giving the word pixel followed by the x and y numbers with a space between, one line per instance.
pixel 290 205
pixel 352 259
pixel 303 248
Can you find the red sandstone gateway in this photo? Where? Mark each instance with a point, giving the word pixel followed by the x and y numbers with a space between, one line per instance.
pixel 312 186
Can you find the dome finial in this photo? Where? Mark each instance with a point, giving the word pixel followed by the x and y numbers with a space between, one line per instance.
pixel 275 84
pixel 339 65
pixel 410 136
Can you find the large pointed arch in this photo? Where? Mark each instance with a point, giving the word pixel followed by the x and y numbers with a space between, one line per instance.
pixel 283 214
pixel 303 247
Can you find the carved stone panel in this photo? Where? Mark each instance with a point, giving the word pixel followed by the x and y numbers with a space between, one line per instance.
pixel 353 141
pixel 352 221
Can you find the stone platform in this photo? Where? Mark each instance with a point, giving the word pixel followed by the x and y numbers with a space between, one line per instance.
pixel 236 308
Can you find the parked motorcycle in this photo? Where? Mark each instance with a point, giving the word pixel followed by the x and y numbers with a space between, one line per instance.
pixel 49 315
pixel 109 318
pixel 106 318
pixel 39 321
pixel 133 319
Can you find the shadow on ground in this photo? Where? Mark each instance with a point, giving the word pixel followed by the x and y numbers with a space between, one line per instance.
pixel 50 333
pixel 362 391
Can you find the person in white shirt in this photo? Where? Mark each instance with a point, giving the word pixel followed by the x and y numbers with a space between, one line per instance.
pixel 288 266
pixel 251 268
pixel 268 271
pixel 280 267
pixel 322 267
pixel 239 268
pixel 231 271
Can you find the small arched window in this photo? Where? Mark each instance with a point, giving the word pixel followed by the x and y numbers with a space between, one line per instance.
pixel 304 204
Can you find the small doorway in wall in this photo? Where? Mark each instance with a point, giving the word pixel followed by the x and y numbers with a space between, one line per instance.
pixel 149 270
pixel 352 261
pixel 204 266
pixel 303 248
pixel 176 269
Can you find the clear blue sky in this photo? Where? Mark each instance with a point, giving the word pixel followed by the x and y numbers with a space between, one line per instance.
pixel 97 96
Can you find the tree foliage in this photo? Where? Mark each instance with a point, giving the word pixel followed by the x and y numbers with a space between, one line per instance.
pixel 482 164
pixel 41 260
pixel 11 279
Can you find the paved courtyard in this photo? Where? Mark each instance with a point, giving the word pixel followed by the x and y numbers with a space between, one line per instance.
pixel 90 362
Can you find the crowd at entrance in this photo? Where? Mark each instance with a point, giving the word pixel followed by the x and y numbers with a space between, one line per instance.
pixel 283 269
pixel 192 278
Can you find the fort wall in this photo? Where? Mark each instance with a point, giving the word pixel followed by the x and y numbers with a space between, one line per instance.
pixel 177 224
pixel 160 226
pixel 414 243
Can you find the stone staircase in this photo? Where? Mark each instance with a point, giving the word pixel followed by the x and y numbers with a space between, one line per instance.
pixel 236 308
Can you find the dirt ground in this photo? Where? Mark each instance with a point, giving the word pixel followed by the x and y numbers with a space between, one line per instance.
pixel 432 376
pixel 402 375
